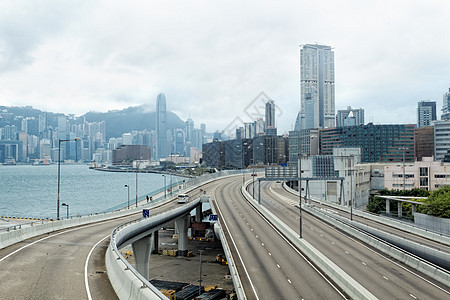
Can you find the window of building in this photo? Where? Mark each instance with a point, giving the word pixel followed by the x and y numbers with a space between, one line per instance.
pixel 424 181
pixel 423 171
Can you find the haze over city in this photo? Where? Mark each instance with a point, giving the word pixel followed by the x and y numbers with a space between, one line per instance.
pixel 212 59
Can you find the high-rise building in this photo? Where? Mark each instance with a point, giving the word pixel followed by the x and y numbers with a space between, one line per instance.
pixel 270 113
pixel 446 106
pixel 426 113
pixel 423 142
pixel 317 86
pixel 350 117
pixel 161 126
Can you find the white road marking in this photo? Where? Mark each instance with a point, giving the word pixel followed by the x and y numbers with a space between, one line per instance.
pixel 86 282
pixel 413 296
pixel 364 263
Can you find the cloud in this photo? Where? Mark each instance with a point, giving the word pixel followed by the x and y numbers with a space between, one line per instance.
pixel 211 59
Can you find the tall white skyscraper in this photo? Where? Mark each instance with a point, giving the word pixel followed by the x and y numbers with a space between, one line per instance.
pixel 317 86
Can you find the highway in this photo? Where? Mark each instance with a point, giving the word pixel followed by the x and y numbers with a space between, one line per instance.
pixel 68 264
pixel 383 277
pixel 270 267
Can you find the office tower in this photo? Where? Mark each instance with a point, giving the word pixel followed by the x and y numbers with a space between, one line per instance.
pixel 317 86
pixel 423 142
pixel 249 130
pixel 179 141
pixel 446 106
pixel 350 117
pixel 62 127
pixel 426 113
pixel 270 113
pixel 189 130
pixel 127 139
pixel 259 127
pixel 378 143
pixel 161 126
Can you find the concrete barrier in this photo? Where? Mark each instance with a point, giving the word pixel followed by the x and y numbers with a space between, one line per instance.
pixel 350 286
pixel 432 235
pixel 125 280
pixel 231 264
pixel 408 259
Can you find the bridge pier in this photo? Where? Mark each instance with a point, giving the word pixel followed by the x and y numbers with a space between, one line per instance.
pixel 399 209
pixel 388 206
pixel 155 245
pixel 413 209
pixel 141 250
pixel 182 226
pixel 198 213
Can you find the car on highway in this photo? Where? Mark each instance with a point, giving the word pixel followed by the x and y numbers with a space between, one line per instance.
pixel 183 198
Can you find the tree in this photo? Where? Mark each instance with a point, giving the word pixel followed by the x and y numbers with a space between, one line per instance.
pixel 438 203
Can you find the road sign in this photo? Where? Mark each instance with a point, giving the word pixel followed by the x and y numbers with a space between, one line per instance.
pixel 213 217
pixel 145 213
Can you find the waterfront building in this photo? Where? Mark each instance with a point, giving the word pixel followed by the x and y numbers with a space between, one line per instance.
pixel 349 117
pixel 10 151
pixel 446 106
pixel 441 139
pixel 426 113
pixel 126 154
pixel 423 142
pixel 378 143
pixel 161 126
pixel 317 86
pixel 425 174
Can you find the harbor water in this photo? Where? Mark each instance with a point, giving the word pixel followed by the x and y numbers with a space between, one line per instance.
pixel 32 191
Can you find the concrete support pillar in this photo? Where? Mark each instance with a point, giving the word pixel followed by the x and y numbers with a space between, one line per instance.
pixel 388 207
pixel 141 252
pixel 155 245
pixel 400 209
pixel 198 213
pixel 413 209
pixel 182 225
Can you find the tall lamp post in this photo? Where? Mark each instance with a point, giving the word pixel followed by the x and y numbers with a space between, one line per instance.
pixel 64 204
pixel 127 186
pixel 165 195
pixel 137 169
pixel 59 172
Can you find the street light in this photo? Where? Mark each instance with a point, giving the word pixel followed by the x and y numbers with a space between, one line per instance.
pixel 59 172
pixel 64 204
pixel 137 169
pixel 127 186
pixel 165 195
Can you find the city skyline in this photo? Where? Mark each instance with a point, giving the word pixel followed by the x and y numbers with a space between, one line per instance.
pixel 73 58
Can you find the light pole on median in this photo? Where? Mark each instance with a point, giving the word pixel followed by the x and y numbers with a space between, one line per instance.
pixel 127 186
pixel 64 204
pixel 59 172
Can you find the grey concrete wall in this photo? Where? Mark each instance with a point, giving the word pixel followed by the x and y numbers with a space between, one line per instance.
pixel 440 225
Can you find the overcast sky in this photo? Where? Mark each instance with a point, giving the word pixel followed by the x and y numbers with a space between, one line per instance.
pixel 213 58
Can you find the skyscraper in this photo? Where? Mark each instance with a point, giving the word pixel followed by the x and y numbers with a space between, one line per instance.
pixel 317 86
pixel 161 126
pixel 270 113
pixel 426 113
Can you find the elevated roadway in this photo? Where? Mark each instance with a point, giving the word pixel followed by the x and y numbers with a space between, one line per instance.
pixel 380 275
